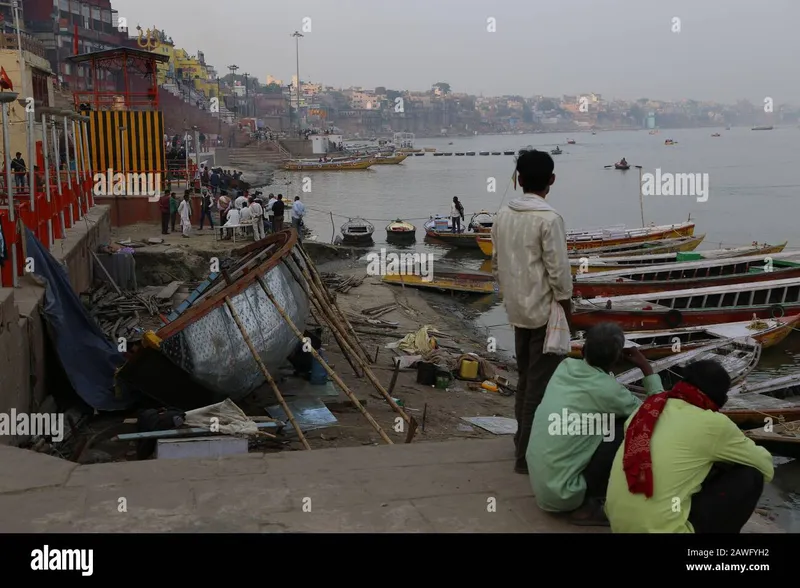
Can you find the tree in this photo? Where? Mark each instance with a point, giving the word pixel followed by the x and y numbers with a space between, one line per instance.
pixel 444 87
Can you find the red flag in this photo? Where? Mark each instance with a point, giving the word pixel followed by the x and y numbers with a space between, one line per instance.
pixel 5 81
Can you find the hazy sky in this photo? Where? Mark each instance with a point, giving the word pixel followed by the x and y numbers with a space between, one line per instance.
pixel 725 50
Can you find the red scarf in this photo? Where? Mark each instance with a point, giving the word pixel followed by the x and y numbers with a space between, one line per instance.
pixel 637 461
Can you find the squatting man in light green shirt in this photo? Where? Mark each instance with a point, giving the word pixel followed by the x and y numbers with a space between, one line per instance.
pixel 579 426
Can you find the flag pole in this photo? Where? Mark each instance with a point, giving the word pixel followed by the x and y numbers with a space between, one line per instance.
pixel 15 5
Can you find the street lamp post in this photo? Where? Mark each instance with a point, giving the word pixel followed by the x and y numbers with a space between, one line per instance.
pixel 15 5
pixel 297 36
pixel 219 112
pixel 246 96
pixel 233 69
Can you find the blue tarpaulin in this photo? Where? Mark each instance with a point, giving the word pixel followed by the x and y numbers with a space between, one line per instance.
pixel 89 359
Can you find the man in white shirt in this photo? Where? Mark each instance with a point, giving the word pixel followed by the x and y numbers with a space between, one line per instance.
pixel 270 215
pixel 257 212
pixel 233 220
pixel 298 212
pixel 240 202
pixel 531 264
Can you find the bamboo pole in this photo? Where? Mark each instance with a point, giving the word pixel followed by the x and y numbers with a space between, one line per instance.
pixel 327 297
pixel 338 331
pixel 324 364
pixel 266 373
pixel 334 317
pixel 368 371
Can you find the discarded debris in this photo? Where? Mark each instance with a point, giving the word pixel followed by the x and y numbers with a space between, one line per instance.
pixel 341 284
pixel 496 425
pixel 117 314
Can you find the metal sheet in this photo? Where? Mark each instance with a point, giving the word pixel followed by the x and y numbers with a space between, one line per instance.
pixel 496 425
pixel 213 350
pixel 309 414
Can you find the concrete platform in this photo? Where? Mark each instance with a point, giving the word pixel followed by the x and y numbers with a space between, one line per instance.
pixel 452 486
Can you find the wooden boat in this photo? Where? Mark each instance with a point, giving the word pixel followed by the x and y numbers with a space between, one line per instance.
pixel 570 141
pixel 693 274
pixel 448 154
pixel 619 235
pixel 781 388
pixel 509 152
pixel 692 307
pixel 202 339
pixel 481 221
pixel 484 153
pixel 659 344
pixel 470 153
pixel 467 282
pixel 716 135
pixel 358 164
pixel 497 153
pixel 357 231
pixel 460 154
pixel 739 357
pixel 419 154
pixel 605 263
pixel 438 154
pixel 590 260
pixel 400 230
pixel 778 438
pixel 622 167
pixel 556 152
pixel 391 159
pixel 767 128
pixel 429 149
pixel 669 142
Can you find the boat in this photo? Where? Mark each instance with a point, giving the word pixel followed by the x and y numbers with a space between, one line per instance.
pixel 357 231
pixel 739 357
pixel 622 167
pixel 728 128
pixel 618 235
pixel 202 340
pixel 591 259
pixel 461 153
pixel 604 262
pixel 778 438
pixel 470 153
pixel 419 154
pixel 653 132
pixel 692 307
pixel 767 128
pixel 481 221
pixel 353 164
pixel 400 230
pixel 429 149
pixel 405 143
pixel 448 281
pixel 509 152
pixel 497 152
pixel 438 154
pixel 670 142
pixel 594 133
pixel 783 388
pixel 556 151
pixel 393 159
pixel 484 153
pixel 659 344
pixel 570 141
pixel 448 154
pixel 716 135
pixel 692 274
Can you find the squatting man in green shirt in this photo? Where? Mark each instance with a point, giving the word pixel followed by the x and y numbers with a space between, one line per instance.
pixel 578 427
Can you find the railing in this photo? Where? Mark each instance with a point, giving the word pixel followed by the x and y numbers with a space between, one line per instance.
pixel 9 41
pixel 70 199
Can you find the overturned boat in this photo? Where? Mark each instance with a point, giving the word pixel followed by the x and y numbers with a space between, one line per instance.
pixel 202 337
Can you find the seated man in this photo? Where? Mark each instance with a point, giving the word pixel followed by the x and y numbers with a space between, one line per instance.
pixel 578 427
pixel 685 467
pixel 233 220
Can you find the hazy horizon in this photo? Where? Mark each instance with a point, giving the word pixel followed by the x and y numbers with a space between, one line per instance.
pixel 725 51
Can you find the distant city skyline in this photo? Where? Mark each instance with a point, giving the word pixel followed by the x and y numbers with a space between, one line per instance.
pixel 725 50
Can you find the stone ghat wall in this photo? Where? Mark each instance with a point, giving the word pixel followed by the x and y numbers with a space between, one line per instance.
pixel 23 384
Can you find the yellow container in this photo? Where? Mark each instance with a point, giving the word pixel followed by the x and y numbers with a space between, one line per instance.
pixel 468 370
pixel 489 385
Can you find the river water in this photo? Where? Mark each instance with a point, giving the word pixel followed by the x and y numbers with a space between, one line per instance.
pixel 754 195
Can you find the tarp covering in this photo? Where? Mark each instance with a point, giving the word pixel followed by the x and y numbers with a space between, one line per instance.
pixel 89 359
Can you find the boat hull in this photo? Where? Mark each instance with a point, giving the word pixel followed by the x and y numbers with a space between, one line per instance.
pixel 401 236
pixel 685 230
pixel 205 342
pixel 455 283
pixel 357 165
pixel 607 289
pixel 357 239
pixel 460 240
pixel 649 320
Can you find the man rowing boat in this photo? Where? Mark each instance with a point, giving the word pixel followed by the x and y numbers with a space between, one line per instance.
pixel 623 162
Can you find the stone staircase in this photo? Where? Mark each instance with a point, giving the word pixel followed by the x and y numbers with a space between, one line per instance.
pixel 257 156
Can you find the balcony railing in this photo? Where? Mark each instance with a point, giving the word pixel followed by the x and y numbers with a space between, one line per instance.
pixel 9 41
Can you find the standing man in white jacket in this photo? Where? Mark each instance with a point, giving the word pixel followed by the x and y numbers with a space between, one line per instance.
pixel 531 264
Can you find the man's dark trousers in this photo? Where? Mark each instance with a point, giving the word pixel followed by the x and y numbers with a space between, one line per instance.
pixel 535 370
